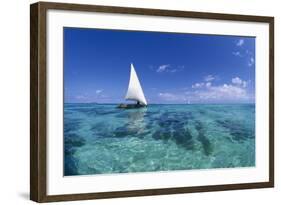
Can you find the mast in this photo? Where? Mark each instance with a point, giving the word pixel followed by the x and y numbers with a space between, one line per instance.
pixel 135 91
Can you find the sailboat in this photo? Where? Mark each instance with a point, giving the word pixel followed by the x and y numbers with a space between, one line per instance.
pixel 134 92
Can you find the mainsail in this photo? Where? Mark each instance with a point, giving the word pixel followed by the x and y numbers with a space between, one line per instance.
pixel 134 89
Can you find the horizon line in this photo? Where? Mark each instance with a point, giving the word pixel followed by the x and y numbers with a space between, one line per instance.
pixel 162 103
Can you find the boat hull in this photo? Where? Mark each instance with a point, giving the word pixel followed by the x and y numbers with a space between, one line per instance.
pixel 130 106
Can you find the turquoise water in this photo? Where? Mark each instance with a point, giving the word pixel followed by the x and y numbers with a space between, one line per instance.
pixel 102 139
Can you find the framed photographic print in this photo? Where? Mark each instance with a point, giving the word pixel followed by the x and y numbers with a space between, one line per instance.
pixel 134 102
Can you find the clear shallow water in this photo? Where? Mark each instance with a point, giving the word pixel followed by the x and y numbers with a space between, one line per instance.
pixel 102 139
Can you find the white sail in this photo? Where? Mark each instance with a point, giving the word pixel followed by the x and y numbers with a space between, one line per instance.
pixel 134 89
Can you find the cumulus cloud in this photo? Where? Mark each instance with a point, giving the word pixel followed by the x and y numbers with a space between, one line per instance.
pixel 226 92
pixel 208 93
pixel 198 85
pixel 201 85
pixel 220 93
pixel 240 42
pixel 236 80
pixel 239 82
pixel 208 84
pixel 234 91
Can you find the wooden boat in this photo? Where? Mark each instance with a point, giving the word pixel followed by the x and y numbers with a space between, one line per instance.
pixel 134 92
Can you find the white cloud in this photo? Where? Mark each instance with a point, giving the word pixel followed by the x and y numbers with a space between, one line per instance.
pixel 198 85
pixel 208 93
pixel 99 91
pixel 244 53
pixel 209 78
pixel 249 52
pixel 169 69
pixel 251 62
pixel 225 92
pixel 236 80
pixel 162 68
pixel 237 53
pixel 239 82
pixel 235 91
pixel 240 42
pixel 208 84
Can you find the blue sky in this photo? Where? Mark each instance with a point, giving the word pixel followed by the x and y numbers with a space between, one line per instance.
pixel 172 68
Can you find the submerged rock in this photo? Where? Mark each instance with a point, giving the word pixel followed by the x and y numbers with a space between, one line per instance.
pixel 206 144
pixel 124 131
pixel 236 129
pixel 183 138
pixel 71 125
pixel 71 142
pixel 75 142
pixel 70 167
pixel 162 135
pixel 173 127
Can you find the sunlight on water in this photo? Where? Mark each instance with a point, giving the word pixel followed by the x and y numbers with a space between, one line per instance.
pixel 102 139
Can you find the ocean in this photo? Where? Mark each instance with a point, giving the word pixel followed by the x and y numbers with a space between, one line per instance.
pixel 102 139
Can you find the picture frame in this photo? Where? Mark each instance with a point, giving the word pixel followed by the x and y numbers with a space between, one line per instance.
pixel 40 132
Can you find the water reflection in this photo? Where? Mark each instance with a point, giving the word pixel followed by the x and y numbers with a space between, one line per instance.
pixel 135 125
pixel 136 119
